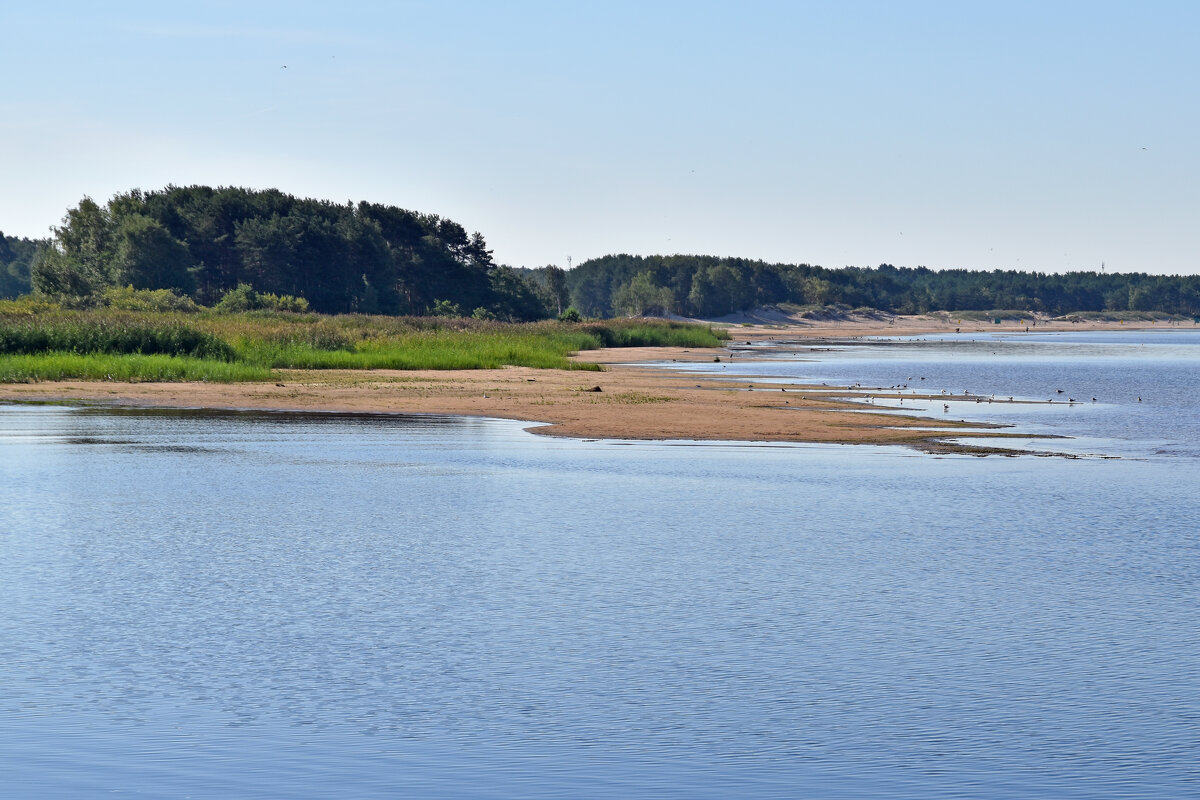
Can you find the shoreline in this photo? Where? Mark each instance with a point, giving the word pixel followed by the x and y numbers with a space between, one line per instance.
pixel 629 400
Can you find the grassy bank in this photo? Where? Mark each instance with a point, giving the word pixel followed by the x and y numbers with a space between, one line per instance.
pixel 56 344
pixel 58 366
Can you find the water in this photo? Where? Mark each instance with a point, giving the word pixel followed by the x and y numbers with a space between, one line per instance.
pixel 1137 393
pixel 285 606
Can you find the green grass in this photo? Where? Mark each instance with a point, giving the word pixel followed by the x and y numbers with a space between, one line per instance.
pixel 58 366
pixel 644 333
pixel 438 350
pixel 35 344
pixel 1124 316
pixel 1006 314
pixel 351 342
pixel 110 333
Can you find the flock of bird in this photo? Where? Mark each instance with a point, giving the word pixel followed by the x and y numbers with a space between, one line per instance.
pixel 964 396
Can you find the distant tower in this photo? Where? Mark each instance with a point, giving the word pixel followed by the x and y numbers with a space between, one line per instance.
pixel 568 262
pixel 1101 266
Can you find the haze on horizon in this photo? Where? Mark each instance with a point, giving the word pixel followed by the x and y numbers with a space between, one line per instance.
pixel 1031 136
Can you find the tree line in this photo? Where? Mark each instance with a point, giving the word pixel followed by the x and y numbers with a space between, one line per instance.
pixel 708 286
pixel 16 255
pixel 203 243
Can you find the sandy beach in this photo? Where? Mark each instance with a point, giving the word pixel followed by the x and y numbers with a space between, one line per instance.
pixel 625 401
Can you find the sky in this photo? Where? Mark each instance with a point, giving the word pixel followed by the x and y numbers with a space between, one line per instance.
pixel 1040 136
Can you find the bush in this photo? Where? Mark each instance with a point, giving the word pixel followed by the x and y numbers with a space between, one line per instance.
pixel 28 305
pixel 570 315
pixel 444 308
pixel 127 298
pixel 245 298
pixel 282 302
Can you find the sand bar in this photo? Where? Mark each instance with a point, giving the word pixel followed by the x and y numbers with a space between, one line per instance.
pixel 632 402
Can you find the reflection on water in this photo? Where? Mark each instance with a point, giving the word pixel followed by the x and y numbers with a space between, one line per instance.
pixel 277 605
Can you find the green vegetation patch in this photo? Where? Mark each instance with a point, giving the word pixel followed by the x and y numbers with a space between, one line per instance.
pixel 1124 316
pixel 1006 314
pixel 59 366
pixel 117 335
pixel 445 350
pixel 653 333
pixel 264 340
pixel 630 398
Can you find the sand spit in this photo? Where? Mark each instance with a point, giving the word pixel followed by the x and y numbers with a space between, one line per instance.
pixel 623 402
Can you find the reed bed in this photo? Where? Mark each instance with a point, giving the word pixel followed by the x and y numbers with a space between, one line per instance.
pixel 112 334
pixel 261 341
pixel 444 350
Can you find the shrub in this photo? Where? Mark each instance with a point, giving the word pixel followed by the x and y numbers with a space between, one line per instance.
pixel 127 298
pixel 245 298
pixel 28 305
pixel 282 302
pixel 444 308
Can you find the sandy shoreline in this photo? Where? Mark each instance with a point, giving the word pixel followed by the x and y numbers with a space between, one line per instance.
pixel 633 402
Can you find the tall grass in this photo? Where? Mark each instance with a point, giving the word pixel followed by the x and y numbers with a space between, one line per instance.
pixel 643 333
pixel 427 350
pixel 109 334
pixel 57 366
pixel 277 340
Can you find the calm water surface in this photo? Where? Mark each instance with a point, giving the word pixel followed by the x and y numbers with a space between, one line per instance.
pixel 282 606
pixel 1137 393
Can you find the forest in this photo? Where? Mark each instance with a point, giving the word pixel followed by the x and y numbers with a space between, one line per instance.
pixel 202 243
pixel 16 254
pixel 707 286
pixel 230 244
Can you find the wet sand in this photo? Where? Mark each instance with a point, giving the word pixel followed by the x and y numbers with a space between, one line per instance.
pixel 623 402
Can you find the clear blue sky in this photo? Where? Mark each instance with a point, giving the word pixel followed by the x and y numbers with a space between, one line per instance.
pixel 1045 136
